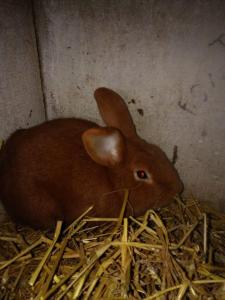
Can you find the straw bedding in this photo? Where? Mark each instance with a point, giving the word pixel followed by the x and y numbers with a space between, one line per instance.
pixel 176 252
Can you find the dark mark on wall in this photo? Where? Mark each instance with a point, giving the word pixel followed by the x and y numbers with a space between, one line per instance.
pixel 211 80
pixel 140 111
pixel 78 87
pixel 184 107
pixel 131 101
pixel 151 97
pixel 175 154
pixel 29 116
pixel 68 47
pixel 205 99
pixel 193 87
pixel 218 40
pixel 52 96
pixel 204 133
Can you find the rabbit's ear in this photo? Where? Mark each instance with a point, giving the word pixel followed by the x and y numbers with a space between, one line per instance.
pixel 114 111
pixel 106 146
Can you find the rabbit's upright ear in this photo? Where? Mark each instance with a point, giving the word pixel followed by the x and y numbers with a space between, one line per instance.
pixel 106 146
pixel 114 111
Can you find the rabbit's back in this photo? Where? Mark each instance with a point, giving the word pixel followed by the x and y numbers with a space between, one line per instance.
pixel 35 149
pixel 44 169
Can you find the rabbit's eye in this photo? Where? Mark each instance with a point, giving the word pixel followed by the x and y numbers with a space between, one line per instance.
pixel 142 175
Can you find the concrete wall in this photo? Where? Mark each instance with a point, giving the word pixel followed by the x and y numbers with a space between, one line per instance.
pixel 21 101
pixel 169 56
pixel 21 98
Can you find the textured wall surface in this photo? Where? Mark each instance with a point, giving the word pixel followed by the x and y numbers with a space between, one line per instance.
pixel 168 56
pixel 21 98
pixel 21 102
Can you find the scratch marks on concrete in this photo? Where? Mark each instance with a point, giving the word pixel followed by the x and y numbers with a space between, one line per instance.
pixel 184 107
pixel 211 80
pixel 175 154
pixel 193 87
pixel 219 40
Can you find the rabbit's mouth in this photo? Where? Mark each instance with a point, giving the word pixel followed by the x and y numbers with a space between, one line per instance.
pixel 142 199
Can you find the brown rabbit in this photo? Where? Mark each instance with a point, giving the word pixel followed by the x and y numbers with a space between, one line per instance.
pixel 60 168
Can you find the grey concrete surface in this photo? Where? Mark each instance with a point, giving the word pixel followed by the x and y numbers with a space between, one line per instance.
pixel 21 103
pixel 168 56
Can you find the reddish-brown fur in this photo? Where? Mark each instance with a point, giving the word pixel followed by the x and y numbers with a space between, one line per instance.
pixel 46 174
